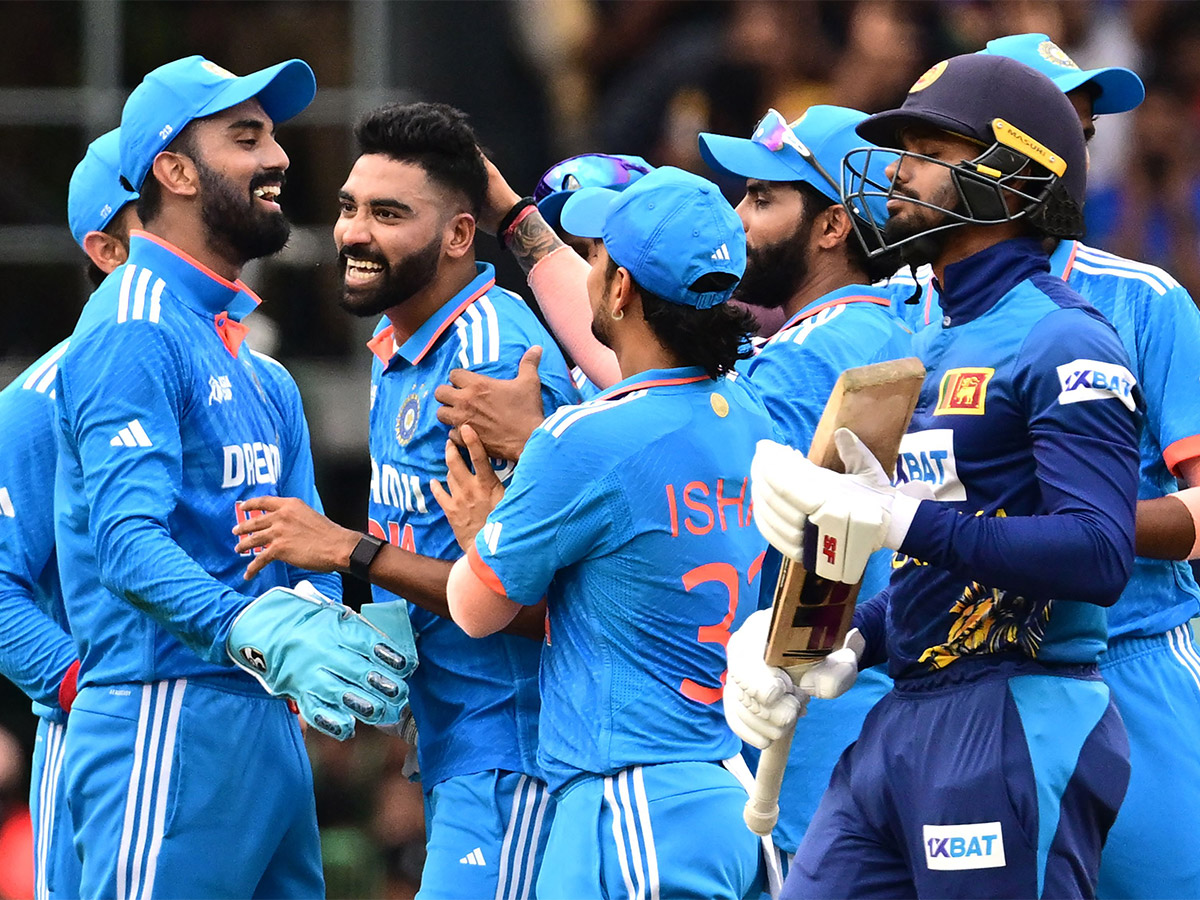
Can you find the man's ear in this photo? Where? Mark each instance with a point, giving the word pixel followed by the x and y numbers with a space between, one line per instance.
pixel 176 173
pixel 459 236
pixel 105 251
pixel 833 227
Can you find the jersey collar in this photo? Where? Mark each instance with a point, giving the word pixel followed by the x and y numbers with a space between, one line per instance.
pixel 1062 260
pixel 194 284
pixel 652 378
pixel 974 285
pixel 851 293
pixel 384 345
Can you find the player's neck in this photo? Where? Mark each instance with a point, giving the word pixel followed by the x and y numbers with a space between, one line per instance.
pixel 824 277
pixel 638 348
pixel 179 229
pixel 452 276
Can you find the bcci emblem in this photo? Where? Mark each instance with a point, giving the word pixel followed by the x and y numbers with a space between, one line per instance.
pixel 406 421
pixel 1053 53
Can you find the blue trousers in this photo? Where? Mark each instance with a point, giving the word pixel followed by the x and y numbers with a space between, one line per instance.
pixel 989 779
pixel 672 830
pixel 486 836
pixel 183 789
pixel 1153 850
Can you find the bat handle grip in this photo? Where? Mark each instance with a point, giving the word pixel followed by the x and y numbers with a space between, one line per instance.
pixel 762 809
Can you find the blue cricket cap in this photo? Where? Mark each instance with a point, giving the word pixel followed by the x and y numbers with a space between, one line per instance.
pixel 1118 89
pixel 669 230
pixel 192 88
pixel 615 171
pixel 827 132
pixel 96 194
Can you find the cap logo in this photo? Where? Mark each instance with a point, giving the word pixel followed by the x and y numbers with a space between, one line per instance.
pixel 721 252
pixel 1011 136
pixel 931 75
pixel 213 69
pixel 1053 53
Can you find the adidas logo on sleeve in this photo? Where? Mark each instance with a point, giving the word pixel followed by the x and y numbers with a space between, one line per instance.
pixel 474 858
pixel 132 435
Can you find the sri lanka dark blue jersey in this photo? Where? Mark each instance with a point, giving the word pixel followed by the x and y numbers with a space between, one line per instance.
pixel 1027 430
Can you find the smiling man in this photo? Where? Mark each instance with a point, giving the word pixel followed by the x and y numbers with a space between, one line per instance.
pixel 174 759
pixel 406 244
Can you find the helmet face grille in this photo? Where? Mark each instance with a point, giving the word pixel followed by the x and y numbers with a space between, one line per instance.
pixel 984 186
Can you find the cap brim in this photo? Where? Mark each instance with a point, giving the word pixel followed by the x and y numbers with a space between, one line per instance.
pixel 883 129
pixel 743 158
pixel 586 210
pixel 551 206
pixel 284 90
pixel 1118 90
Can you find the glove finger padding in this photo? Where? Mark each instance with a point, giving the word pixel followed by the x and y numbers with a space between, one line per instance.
pixel 328 658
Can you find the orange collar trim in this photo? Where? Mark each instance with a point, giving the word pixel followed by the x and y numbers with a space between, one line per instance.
pixel 238 285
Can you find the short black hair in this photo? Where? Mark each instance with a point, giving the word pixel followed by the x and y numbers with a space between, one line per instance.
pixel 872 269
pixel 150 195
pixel 713 339
pixel 434 136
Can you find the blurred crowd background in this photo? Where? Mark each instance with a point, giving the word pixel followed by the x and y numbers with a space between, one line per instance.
pixel 542 80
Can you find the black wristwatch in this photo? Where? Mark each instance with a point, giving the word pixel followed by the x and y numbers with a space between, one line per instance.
pixel 363 555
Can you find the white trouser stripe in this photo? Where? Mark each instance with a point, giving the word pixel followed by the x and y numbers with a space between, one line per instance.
pixel 148 776
pixel 618 837
pixel 164 785
pixel 522 838
pixel 1180 639
pixel 45 816
pixel 135 776
pixel 635 846
pixel 536 844
pixel 643 805
pixel 60 732
pixel 508 837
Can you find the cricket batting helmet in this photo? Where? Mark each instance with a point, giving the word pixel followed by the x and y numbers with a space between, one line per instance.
pixel 1031 148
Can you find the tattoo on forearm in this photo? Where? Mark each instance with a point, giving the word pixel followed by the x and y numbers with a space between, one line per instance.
pixel 532 241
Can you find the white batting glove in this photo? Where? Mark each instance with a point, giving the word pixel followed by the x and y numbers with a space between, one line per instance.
pixel 760 701
pixel 852 515
pixel 836 673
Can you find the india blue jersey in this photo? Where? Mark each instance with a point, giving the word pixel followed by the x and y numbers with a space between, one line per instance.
pixel 913 299
pixel 1159 327
pixel 1026 428
pixel 475 701
pixel 37 648
pixel 166 423
pixel 631 514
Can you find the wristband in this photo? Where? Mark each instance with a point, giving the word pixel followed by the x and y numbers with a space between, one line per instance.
pixel 512 218
pixel 363 555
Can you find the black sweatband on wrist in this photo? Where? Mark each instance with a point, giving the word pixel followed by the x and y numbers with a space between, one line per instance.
pixel 510 219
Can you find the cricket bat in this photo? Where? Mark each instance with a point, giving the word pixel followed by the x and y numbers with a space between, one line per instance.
pixel 811 615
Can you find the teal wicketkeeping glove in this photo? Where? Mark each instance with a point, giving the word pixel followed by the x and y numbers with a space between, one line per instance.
pixel 334 663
